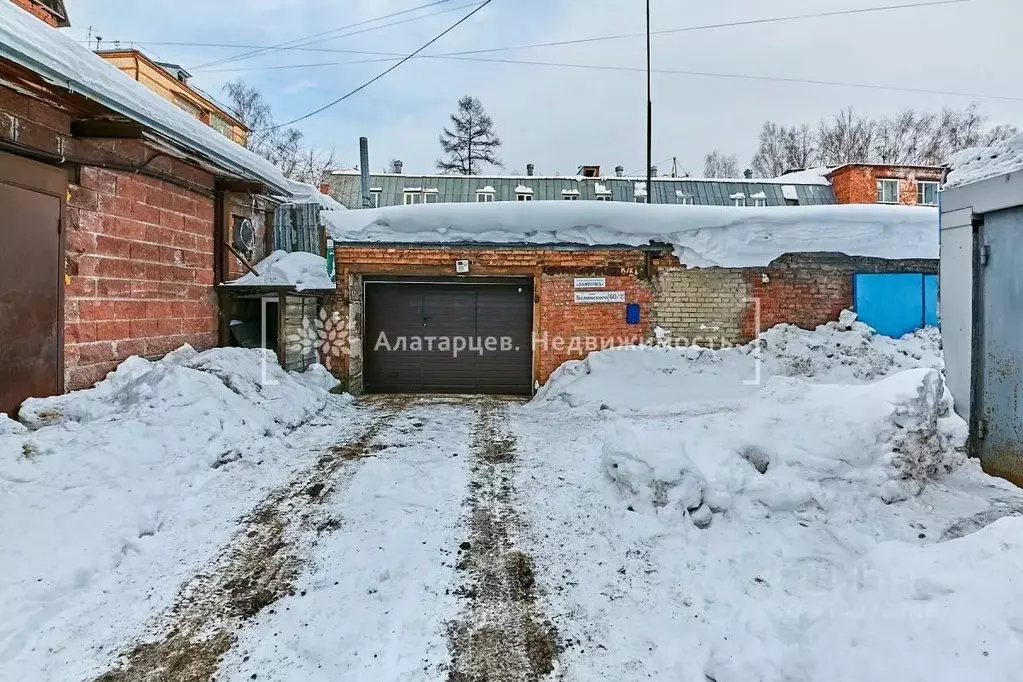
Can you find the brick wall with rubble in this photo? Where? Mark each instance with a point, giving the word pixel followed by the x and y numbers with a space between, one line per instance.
pixel 139 266
pixel 705 306
pixel 715 306
pixel 858 184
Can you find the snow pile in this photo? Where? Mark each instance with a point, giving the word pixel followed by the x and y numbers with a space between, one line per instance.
pixel 808 176
pixel 702 236
pixel 662 379
pixel 299 269
pixel 981 163
pixel 304 193
pixel 58 58
pixel 942 613
pixel 653 472
pixel 115 493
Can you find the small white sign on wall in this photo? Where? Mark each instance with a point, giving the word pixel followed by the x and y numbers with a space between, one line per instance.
pixel 461 266
pixel 590 282
pixel 600 297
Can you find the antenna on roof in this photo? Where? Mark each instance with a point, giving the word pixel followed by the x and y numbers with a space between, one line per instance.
pixel 99 41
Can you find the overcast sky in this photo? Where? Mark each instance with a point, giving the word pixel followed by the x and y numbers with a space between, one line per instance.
pixel 559 118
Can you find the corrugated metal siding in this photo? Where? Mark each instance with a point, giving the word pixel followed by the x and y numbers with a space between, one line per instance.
pixel 345 188
pixel 297 228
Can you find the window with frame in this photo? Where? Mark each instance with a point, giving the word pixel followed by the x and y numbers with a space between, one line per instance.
pixel 887 191
pixel 430 196
pixel 220 124
pixel 686 199
pixel 759 202
pixel 412 198
pixel 604 197
pixel 571 197
pixel 927 192
pixel 374 195
pixel 640 199
pixel 484 197
pixel 524 197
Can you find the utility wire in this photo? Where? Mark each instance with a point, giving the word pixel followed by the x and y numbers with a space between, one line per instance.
pixel 677 72
pixel 703 27
pixel 365 85
pixel 297 43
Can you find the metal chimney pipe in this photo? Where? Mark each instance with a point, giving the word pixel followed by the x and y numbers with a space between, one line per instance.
pixel 619 171
pixel 653 172
pixel 367 199
pixel 748 174
pixel 529 169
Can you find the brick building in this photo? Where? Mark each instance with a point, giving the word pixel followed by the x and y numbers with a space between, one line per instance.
pixel 869 183
pixel 117 209
pixel 401 290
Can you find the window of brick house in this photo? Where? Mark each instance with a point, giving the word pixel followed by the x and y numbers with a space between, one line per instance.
pixel 927 192
pixel 887 191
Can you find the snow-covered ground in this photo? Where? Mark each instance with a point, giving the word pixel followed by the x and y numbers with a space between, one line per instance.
pixel 798 509
pixel 122 492
pixel 800 528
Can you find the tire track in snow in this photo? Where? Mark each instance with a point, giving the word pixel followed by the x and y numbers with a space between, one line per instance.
pixel 502 634
pixel 255 569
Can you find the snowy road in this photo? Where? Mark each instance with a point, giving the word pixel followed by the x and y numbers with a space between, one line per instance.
pixel 651 514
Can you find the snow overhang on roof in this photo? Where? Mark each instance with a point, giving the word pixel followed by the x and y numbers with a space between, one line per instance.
pixel 58 59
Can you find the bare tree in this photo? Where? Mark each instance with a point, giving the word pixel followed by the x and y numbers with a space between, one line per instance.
pixel 782 149
pixel 847 138
pixel 281 146
pixel 909 137
pixel 719 165
pixel 471 143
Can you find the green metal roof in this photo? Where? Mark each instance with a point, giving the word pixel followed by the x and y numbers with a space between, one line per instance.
pixel 345 187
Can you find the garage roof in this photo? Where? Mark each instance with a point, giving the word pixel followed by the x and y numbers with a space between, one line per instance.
pixel 58 59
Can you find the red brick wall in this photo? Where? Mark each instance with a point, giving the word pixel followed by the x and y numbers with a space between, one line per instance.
pixel 139 271
pixel 571 331
pixel 562 327
pixel 858 184
pixel 37 10
pixel 807 295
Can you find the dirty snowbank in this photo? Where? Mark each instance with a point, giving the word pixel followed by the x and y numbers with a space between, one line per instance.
pixel 115 494
pixel 982 163
pixel 672 376
pixel 299 269
pixel 721 522
pixel 703 236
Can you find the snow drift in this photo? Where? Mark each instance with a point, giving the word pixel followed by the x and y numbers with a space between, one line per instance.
pixel 115 493
pixel 982 163
pixel 942 613
pixel 703 236
pixel 298 269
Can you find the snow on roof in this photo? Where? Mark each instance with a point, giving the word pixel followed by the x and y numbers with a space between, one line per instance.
pixel 298 269
pixel 791 178
pixel 758 195
pixel 809 176
pixel 486 190
pixel 522 189
pixel 600 189
pixel 304 193
pixel 639 189
pixel 737 195
pixel 982 163
pixel 702 236
pixel 57 58
pixel 574 192
pixel 789 192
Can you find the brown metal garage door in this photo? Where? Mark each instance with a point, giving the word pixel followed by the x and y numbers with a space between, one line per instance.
pixel 30 289
pixel 418 335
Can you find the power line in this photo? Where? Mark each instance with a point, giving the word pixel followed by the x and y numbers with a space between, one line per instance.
pixel 579 41
pixel 677 72
pixel 386 71
pixel 704 27
pixel 298 42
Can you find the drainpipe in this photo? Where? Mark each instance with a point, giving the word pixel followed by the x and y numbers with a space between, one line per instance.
pixel 367 200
